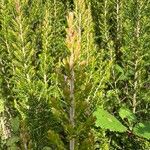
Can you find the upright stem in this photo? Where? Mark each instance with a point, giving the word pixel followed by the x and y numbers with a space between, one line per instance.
pixel 71 42
pixel 135 89
pixel 137 35
pixel 72 108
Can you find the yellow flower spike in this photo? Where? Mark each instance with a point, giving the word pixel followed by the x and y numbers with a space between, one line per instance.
pixel 70 19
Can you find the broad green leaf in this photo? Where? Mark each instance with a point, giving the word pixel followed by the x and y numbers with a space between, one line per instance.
pixel 107 121
pixel 46 148
pixel 142 130
pixel 125 113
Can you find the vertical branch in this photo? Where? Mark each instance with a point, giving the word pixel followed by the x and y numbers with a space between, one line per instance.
pixel 118 28
pixel 80 43
pixel 72 107
pixel 106 36
pixel 23 70
pixel 137 35
pixel 134 103
pixel 70 41
pixel 5 71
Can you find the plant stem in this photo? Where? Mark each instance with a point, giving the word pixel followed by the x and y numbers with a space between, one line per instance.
pixel 72 108
pixel 135 89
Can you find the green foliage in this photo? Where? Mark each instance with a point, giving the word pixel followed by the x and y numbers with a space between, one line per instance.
pixel 15 123
pixel 142 130
pixel 62 59
pixel 107 121
pixel 11 141
pixel 125 113
pixel 46 148
pixel 55 140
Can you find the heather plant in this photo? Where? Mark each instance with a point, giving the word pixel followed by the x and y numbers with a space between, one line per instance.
pixel 74 74
pixel 6 72
pixel 121 23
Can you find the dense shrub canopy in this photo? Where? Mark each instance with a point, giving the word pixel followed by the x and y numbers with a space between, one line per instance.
pixel 67 67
